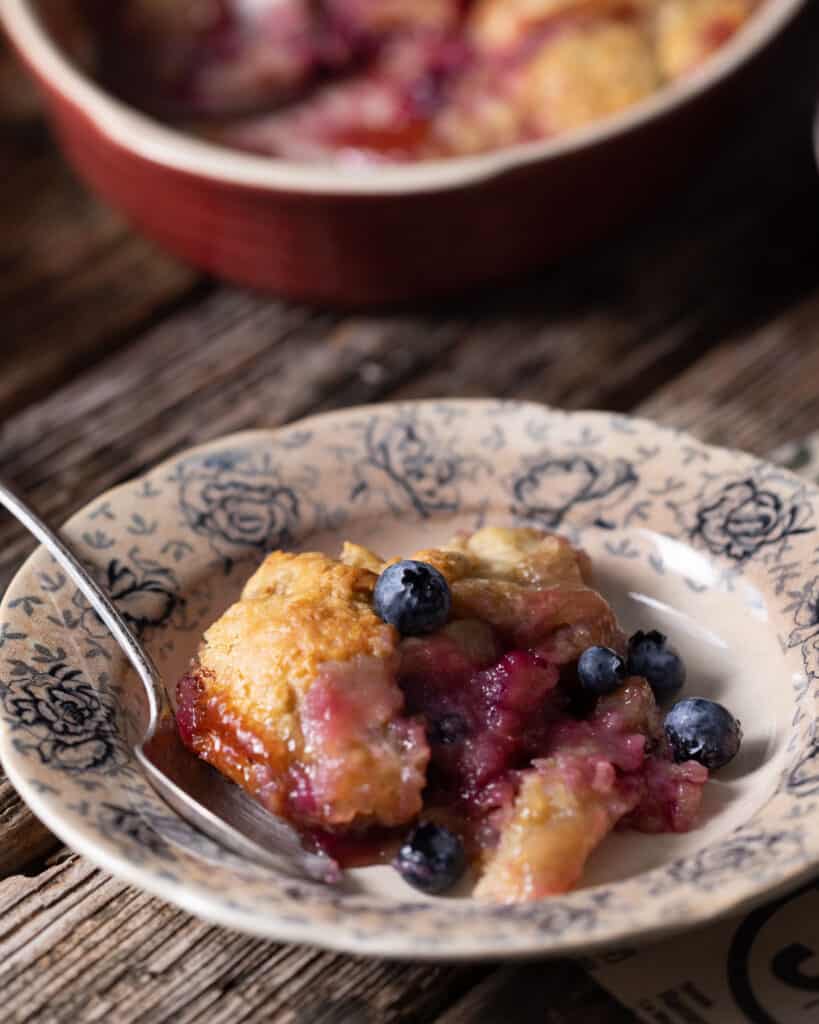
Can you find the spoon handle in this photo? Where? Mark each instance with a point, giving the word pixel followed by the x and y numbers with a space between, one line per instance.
pixel 158 706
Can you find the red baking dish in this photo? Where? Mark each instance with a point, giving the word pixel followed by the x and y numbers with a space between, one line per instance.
pixel 386 234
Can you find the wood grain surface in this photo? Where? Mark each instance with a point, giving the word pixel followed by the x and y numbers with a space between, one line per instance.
pixel 116 356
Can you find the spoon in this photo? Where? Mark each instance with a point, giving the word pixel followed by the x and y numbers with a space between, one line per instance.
pixel 190 787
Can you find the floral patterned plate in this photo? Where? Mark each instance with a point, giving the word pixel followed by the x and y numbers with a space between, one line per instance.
pixel 712 546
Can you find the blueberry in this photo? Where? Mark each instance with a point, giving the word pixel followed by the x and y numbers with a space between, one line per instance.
pixel 431 859
pixel 601 670
pixel 412 596
pixel 652 657
pixel 702 730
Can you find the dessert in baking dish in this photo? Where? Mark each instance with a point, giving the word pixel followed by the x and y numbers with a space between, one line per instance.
pixel 401 80
pixel 478 701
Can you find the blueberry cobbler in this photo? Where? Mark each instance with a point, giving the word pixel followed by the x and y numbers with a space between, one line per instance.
pixel 373 81
pixel 476 704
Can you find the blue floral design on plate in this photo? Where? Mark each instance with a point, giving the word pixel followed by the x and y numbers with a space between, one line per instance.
pixel 744 517
pixel 70 723
pixel 413 464
pixel 146 593
pixel 239 503
pixel 552 485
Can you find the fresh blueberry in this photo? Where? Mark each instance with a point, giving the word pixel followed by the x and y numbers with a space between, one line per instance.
pixel 702 730
pixel 601 670
pixel 431 859
pixel 651 656
pixel 412 596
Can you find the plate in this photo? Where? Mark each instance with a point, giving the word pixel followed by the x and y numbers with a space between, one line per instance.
pixel 711 546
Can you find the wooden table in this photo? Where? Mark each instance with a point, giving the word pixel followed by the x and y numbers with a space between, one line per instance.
pixel 115 356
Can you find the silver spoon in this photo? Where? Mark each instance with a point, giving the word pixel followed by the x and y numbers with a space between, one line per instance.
pixel 194 790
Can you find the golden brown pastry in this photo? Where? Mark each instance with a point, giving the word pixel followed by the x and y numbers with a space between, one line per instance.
pixel 302 694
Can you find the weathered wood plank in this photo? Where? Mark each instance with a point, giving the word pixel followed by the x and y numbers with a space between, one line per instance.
pixel 23 839
pixel 75 282
pixel 77 946
pixel 753 392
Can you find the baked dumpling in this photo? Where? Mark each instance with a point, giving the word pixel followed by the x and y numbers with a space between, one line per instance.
pixel 303 695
